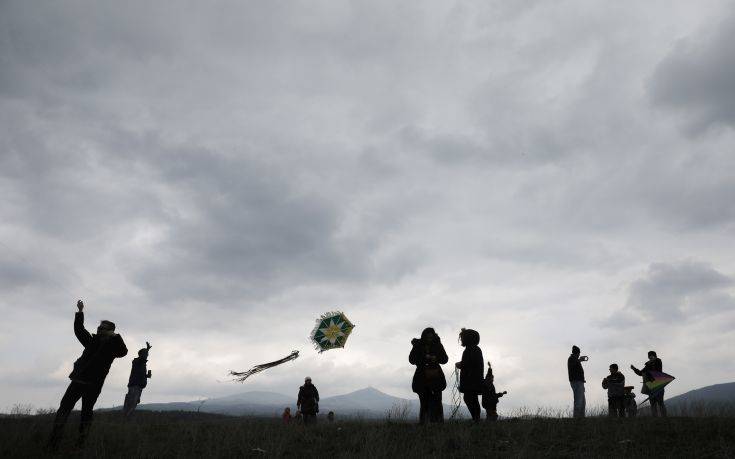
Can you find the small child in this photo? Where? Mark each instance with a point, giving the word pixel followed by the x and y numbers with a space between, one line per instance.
pixel 490 398
pixel 286 416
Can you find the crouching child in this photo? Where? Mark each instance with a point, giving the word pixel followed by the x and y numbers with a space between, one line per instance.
pixel 490 398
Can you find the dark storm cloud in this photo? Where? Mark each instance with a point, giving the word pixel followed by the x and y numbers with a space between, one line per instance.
pixel 698 78
pixel 670 292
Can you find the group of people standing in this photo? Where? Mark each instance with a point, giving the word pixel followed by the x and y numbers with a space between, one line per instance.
pixel 428 354
pixel 618 394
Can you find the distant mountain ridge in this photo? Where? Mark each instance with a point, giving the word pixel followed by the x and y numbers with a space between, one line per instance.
pixel 368 402
pixel 715 394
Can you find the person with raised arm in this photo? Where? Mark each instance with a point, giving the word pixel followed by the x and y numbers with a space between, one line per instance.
pixel 88 375
pixel 139 375
pixel 576 380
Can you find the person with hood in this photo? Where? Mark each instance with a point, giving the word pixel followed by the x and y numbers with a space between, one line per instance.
pixel 576 380
pixel 615 385
pixel 471 382
pixel 657 398
pixel 490 398
pixel 308 401
pixel 138 380
pixel 428 354
pixel 88 375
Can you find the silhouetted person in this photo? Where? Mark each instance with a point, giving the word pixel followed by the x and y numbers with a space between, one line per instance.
pixel 286 416
pixel 490 398
pixel 576 380
pixel 308 401
pixel 330 416
pixel 471 381
pixel 428 354
pixel 138 380
pixel 615 385
pixel 88 375
pixel 657 398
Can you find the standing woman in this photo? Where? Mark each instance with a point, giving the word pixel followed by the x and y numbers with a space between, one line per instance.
pixel 471 382
pixel 428 354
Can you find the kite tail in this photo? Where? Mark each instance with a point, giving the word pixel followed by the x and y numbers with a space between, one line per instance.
pixel 241 376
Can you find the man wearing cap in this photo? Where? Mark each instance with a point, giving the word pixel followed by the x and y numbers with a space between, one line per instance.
pixel 308 401
pixel 576 380
pixel 88 374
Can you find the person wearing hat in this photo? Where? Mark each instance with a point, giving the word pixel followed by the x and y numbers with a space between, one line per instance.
pixel 576 380
pixel 88 375
pixel 308 401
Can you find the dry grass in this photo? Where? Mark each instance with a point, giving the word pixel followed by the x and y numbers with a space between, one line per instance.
pixel 176 434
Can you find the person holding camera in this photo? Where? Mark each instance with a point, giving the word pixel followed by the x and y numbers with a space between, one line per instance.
pixel 428 354
pixel 576 380
pixel 138 380
pixel 88 375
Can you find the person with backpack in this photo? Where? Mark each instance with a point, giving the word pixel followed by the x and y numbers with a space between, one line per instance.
pixel 138 380
pixel 657 398
pixel 490 398
pixel 308 401
pixel 428 354
pixel 88 375
pixel 471 381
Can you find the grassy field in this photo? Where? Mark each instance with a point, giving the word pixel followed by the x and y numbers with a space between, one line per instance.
pixel 175 434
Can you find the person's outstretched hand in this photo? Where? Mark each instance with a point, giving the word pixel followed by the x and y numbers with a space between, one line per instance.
pixel 632 367
pixel 80 305
pixel 148 345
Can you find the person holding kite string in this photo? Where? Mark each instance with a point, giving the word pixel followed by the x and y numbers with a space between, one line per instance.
pixel 656 398
pixel 428 354
pixel 471 381
pixel 138 380
pixel 490 398
pixel 88 375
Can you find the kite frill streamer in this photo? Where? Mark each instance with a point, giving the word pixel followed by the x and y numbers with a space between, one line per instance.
pixel 241 376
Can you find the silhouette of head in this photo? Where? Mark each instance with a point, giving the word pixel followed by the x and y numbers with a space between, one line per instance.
pixel 613 368
pixel 307 380
pixel 106 328
pixel 575 350
pixel 469 337
pixel 143 352
pixel 428 335
pixel 652 355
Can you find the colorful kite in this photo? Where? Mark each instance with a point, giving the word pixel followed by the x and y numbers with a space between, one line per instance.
pixel 657 381
pixel 241 376
pixel 331 331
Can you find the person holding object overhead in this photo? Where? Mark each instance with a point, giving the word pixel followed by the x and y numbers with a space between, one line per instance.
pixel 615 385
pixel 657 398
pixel 576 380
pixel 88 375
pixel 471 381
pixel 428 354
pixel 138 380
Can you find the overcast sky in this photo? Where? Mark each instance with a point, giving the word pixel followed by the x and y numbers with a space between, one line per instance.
pixel 212 176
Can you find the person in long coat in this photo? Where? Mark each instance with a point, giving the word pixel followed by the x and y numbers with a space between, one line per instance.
pixel 428 354
pixel 471 381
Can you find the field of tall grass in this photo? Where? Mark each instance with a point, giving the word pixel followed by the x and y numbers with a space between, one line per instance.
pixel 530 433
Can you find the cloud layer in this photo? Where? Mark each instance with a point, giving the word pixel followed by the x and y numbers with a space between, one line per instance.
pixel 213 177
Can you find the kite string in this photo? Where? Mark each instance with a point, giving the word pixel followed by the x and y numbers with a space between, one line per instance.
pixel 456 399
